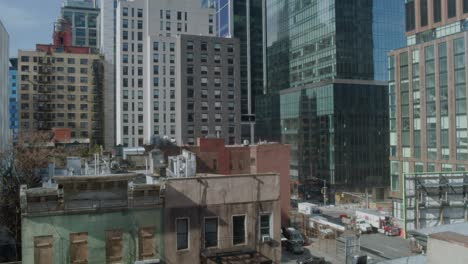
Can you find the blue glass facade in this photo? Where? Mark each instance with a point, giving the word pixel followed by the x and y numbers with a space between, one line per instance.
pixel 337 48
pixel 223 17
pixel 388 33
pixel 13 98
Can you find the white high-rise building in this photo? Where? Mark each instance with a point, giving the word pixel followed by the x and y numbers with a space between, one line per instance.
pixel 146 75
pixel 5 135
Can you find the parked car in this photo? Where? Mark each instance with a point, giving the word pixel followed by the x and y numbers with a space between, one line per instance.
pixel 311 260
pixel 293 235
pixel 294 247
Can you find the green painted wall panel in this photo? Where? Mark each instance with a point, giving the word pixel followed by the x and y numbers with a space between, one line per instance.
pixel 96 224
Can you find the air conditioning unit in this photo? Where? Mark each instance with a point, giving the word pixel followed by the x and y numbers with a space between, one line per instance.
pixel 266 239
pixel 148 261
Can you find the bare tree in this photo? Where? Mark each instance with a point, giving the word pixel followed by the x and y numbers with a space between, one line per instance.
pixel 20 165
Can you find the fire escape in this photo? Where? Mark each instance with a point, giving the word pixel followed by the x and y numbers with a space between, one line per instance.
pixel 43 106
pixel 97 135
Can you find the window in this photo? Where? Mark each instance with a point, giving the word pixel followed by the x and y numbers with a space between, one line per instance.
pixel 204 70
pixel 465 6
pixel 238 229
pixel 189 57
pixel 125 23
pixel 410 16
pixel 265 225
pixel 190 45
pixel 140 12
pixel 140 24
pixel 217 47
pixel 203 58
pixel 43 250
pixel 437 9
pixel 79 248
pixel 125 11
pixel 211 232
pixel 451 8
pixel 114 246
pixel 204 46
pixel 423 7
pixel 182 225
pixel 168 14
pixel 179 15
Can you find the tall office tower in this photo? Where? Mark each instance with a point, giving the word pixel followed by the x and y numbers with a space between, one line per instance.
pixel 325 72
pixel 83 16
pixel 60 86
pixel 148 68
pixel 13 98
pixel 107 49
pixel 5 135
pixel 244 19
pixel 428 91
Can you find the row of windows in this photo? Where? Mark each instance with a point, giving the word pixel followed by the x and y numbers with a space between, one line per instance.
pixel 125 24
pixel 26 68
pixel 205 119
pixel 53 88
pixel 83 107
pixel 82 61
pixel 60 78
pixel 238 232
pixel 451 10
pixel 125 12
pixel 114 246
pixel 139 35
pixel 70 97
pixel 204 46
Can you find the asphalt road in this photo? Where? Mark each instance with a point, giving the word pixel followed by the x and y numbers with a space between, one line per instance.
pixel 384 247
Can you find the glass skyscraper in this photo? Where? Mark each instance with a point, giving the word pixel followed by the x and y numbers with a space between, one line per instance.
pixel 337 48
pixel 243 19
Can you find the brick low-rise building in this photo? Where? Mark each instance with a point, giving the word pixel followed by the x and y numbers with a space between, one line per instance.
pixel 213 156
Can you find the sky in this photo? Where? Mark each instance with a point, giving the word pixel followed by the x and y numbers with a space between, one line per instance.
pixel 29 22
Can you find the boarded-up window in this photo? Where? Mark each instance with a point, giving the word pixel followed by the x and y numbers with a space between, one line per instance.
pixel 146 246
pixel 43 250
pixel 79 248
pixel 114 246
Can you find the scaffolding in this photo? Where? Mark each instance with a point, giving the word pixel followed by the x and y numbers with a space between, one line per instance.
pixel 434 199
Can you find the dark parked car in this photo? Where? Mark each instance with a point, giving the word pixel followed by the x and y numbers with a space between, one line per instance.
pixel 293 235
pixel 312 260
pixel 294 247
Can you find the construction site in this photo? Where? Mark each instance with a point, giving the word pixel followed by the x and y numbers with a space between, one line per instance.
pixel 433 199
